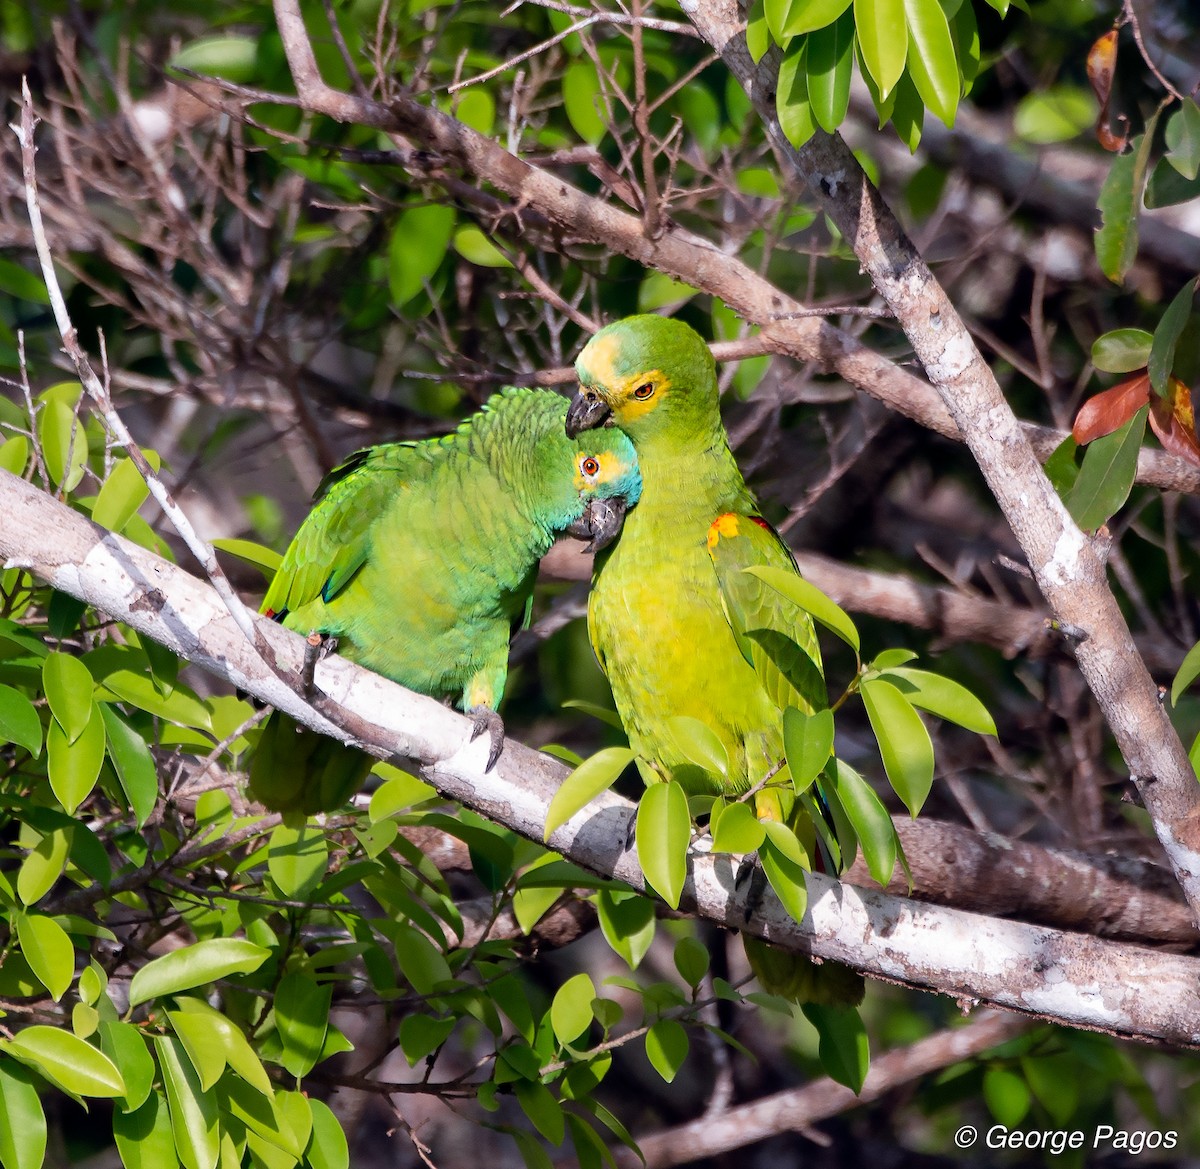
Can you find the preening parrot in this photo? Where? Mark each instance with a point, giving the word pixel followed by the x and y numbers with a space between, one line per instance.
pixel 419 557
pixel 670 608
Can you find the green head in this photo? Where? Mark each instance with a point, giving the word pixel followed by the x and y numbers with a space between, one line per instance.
pixel 607 482
pixel 651 376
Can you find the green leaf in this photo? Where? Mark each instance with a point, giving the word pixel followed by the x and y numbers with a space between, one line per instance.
pixel 627 921
pixel 133 763
pixel 1166 188
pixel 1166 337
pixel 658 290
pixel 1183 139
pixel 22 1121
pixel 19 722
pixel 588 780
pixel 63 614
pixel 418 246
pixel 737 830
pixel 583 102
pixel 252 553
pixel 421 1035
pixel 66 1060
pixel 398 792
pixel 571 1010
pixel 1054 114
pixel 203 1043
pixel 475 247
pixel 121 494
pixel 870 819
pixel 180 706
pixel 69 687
pixel 903 741
pixel 807 743
pixel 44 865
pixel 781 859
pixel 664 831
pixel 692 960
pixel 809 598
pixel 605 714
pixel 236 1050
pixel 942 696
pixel 802 16
pixel 421 962
pixel 144 1138
pixel 14 453
pixel 758 34
pixel 328 1148
pixel 48 950
pixel 1189 670
pixel 195 965
pixel 1007 1095
pixel 1121 350
pixel 1061 468
pixel 125 1045
pixel 699 744
pixel 21 284
pixel 194 1116
pixel 1107 475
pixel 64 443
pixel 1116 241
pixel 844 1051
pixel 830 66
pixel 792 105
pixel 883 40
pixel 234 58
pixel 667 1048
pixel 544 1112
pixel 888 658
pixel 297 859
pixel 74 767
pixel 302 1016
pixel 931 60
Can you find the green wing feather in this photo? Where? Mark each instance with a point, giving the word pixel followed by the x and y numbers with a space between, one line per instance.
pixel 775 637
pixel 335 540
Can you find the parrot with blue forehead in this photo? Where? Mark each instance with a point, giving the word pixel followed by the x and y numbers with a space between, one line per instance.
pixel 420 557
pixel 676 624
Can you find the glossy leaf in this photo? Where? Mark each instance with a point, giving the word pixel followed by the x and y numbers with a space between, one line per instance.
pixel 1122 350
pixel 667 1048
pixel 802 16
pixel 737 830
pixel 235 1048
pixel 830 66
pixel 194 1115
pixel 133 763
pixel 19 722
pixel 627 921
pixel 1173 420
pixel 180 706
pixel 144 1138
pixel 1182 139
pixel 942 696
pixel 1166 336
pixel 68 684
pixel 871 821
pixel 125 1045
pixel 699 744
pixel 44 865
pixel 66 1060
pixel 1007 1095
pixel 48 950
pixel 418 246
pixel 588 780
pixel 583 101
pixel 843 1049
pixel 64 443
pixel 74 767
pixel 1116 241
pixel 14 454
pixel 328 1148
pixel 663 834
pixel 571 1009
pixel 544 1111
pixel 195 965
pixel 1107 474
pixel 21 284
pixel 1166 188
pixel 257 554
pixel 784 870
pixel 903 741
pixel 692 960
pixel 22 1121
pixel 807 743
pixel 883 40
pixel 1054 114
pixel 297 859
pixel 1188 672
pixel 302 1016
pixel 758 34
pixel 421 1035
pixel 809 598
pixel 121 494
pixel 792 105
pixel 1110 409
pixel 931 60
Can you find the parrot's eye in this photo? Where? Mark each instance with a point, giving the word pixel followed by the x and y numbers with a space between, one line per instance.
pixel 590 466
pixel 644 391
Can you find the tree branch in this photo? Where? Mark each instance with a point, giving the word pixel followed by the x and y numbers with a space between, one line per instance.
pixel 1069 978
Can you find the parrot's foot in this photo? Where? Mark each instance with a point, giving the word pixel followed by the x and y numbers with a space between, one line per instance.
pixel 751 877
pixel 484 718
pixel 317 646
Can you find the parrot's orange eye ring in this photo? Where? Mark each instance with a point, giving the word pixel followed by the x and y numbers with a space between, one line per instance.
pixel 644 391
pixel 590 466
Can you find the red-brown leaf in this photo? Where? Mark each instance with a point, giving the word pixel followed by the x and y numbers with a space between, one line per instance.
pixel 1174 421
pixel 1101 65
pixel 1110 409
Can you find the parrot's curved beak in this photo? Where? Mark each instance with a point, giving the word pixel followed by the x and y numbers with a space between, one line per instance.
pixel 600 523
pixel 587 411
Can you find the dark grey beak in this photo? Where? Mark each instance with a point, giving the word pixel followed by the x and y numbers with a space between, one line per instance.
pixel 587 411
pixel 600 523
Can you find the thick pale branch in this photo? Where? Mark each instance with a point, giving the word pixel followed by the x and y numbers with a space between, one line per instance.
pixel 1070 978
pixel 1069 573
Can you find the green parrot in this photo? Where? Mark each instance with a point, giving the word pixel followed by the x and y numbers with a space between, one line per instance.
pixel 676 626
pixel 418 557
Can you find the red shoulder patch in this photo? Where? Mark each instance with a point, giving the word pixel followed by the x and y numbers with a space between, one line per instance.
pixel 762 523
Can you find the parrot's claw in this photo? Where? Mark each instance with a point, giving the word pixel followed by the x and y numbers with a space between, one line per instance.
pixel 484 718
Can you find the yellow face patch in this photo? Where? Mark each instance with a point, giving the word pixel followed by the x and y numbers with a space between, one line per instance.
pixel 611 469
pixel 599 359
pixel 724 525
